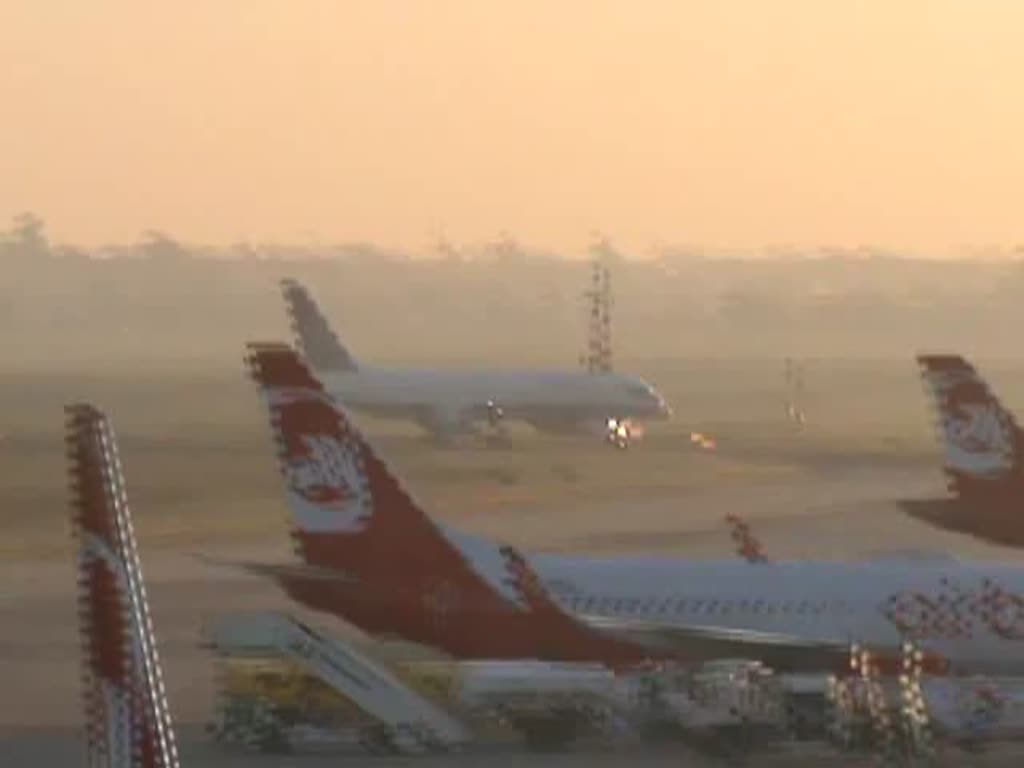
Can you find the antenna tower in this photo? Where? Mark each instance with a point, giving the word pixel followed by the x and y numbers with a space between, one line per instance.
pixel 598 297
pixel 794 384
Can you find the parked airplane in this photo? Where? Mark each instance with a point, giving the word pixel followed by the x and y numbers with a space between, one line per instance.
pixel 396 571
pixel 984 458
pixel 128 723
pixel 451 402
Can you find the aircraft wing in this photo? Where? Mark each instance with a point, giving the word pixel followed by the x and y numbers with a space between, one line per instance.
pixel 286 571
pixel 780 651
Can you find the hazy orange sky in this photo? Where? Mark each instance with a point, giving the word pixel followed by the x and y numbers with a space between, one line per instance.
pixel 726 123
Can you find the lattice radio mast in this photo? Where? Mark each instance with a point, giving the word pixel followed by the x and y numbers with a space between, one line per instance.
pixel 598 298
pixel 793 375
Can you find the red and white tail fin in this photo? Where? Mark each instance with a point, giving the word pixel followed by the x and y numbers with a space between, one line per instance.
pixel 320 451
pixel 336 486
pixel 423 582
pixel 128 724
pixel 352 515
pixel 980 438
pixel 747 545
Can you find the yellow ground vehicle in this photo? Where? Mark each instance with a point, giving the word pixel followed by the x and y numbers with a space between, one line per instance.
pixel 263 701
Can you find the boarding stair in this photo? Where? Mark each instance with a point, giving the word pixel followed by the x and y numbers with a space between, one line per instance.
pixel 414 723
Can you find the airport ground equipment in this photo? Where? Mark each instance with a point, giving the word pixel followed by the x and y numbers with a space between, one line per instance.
pixel 724 709
pixel 902 717
pixel 872 711
pixel 284 686
pixel 551 704
pixel 713 695
pixel 808 703
pixel 975 711
pixel 270 706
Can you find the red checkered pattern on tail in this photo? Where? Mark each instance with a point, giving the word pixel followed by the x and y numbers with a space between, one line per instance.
pixel 128 724
pixel 1002 611
pixel 980 437
pixel 747 545
pixel 955 612
pixel 320 453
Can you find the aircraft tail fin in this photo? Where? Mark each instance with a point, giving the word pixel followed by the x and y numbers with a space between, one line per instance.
pixel 128 722
pixel 352 516
pixel 313 335
pixel 336 485
pixel 747 544
pixel 980 437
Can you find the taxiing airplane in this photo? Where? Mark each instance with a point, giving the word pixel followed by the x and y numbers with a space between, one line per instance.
pixel 984 455
pixel 128 723
pixel 397 571
pixel 451 402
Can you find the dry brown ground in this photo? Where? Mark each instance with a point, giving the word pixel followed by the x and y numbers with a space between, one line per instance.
pixel 202 480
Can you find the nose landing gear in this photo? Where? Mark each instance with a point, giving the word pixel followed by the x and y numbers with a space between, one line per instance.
pixel 620 433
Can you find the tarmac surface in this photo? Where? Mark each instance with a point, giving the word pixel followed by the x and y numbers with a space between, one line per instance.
pixel 832 512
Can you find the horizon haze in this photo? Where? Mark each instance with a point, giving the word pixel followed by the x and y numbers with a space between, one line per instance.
pixel 727 125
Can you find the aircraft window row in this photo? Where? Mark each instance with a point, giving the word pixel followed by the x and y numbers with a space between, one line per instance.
pixel 703 606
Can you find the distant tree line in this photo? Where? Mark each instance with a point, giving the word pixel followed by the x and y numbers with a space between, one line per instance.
pixel 499 300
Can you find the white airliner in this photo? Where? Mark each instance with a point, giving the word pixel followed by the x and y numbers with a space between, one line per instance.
pixel 451 402
pixel 372 556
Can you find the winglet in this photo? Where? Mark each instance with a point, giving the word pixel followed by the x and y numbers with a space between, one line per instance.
pixel 313 335
pixel 747 545
pixel 128 722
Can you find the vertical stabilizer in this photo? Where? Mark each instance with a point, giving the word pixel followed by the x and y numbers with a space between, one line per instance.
pixel 747 544
pixel 414 578
pixel 128 724
pixel 980 438
pixel 313 335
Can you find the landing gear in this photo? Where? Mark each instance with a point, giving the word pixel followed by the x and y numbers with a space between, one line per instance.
pixel 496 432
pixel 619 433
pixel 495 415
